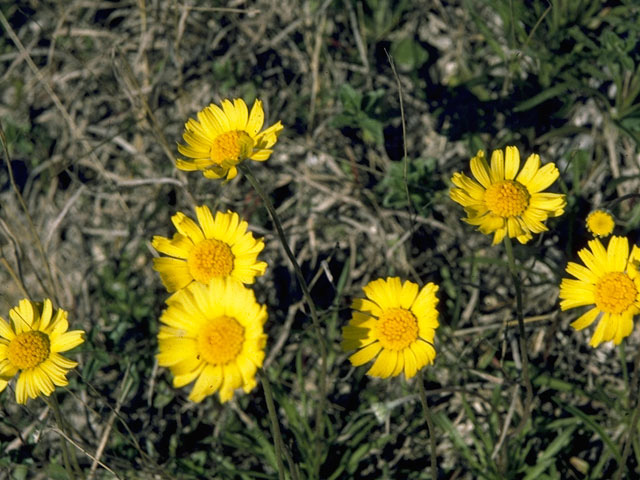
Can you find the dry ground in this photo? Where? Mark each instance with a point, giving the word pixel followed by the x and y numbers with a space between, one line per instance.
pixel 93 99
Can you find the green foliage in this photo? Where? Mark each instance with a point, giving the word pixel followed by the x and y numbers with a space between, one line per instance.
pixel 408 54
pixel 495 72
pixel 421 183
pixel 361 111
pixel 27 142
pixel 382 16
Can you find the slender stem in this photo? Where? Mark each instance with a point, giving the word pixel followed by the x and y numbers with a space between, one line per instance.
pixel 52 290
pixel 633 397
pixel 526 414
pixel 15 277
pixel 430 428
pixel 319 428
pixel 69 459
pixel 275 426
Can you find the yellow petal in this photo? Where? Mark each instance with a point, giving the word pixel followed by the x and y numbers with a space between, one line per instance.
pixel 399 364
pixel 407 294
pixel 410 363
pixel 598 335
pixel 256 119
pixel 231 380
pixel 174 273
pixel 378 292
pixel 45 316
pixel 617 254
pixel 207 383
pixel 497 166
pixel 512 163
pixel 22 316
pixel 66 341
pixel 242 114
pixel 5 330
pixel 178 247
pixel 186 378
pixel 480 169
pixel 220 116
pixel 582 273
pixel 585 319
pixel 187 227
pixel 529 170
pixel 543 178
pixel 205 219
pixel 21 389
pixel 365 354
pixel 384 364
pixel 625 328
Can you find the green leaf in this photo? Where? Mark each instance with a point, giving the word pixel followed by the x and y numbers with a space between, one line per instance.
pixel 454 435
pixel 57 472
pixel 543 96
pixel 350 98
pixel 372 130
pixel 593 424
pixel 408 54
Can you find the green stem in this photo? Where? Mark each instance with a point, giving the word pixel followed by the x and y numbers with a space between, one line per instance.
pixel 68 456
pixel 633 397
pixel 275 426
pixel 526 414
pixel 319 428
pixel 430 428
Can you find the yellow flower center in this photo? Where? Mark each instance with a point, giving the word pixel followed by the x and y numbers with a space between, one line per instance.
pixel 397 328
pixel 220 341
pixel 231 147
pixel 210 258
pixel 29 349
pixel 600 223
pixel 507 198
pixel 615 292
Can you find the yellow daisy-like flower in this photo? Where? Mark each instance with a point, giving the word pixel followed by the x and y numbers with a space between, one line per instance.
pixel 213 334
pixel 600 223
pixel 505 201
pixel 219 247
pixel 30 344
pixel 395 323
pixel 223 137
pixel 610 282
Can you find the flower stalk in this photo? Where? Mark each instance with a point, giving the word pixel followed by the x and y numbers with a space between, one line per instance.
pixel 430 427
pixel 523 337
pixel 319 427
pixel 69 458
pixel 278 443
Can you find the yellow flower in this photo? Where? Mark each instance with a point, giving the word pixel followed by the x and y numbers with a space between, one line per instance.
pixel 223 137
pixel 395 323
pixel 505 201
pixel 213 334
pixel 610 283
pixel 600 223
pixel 31 344
pixel 219 247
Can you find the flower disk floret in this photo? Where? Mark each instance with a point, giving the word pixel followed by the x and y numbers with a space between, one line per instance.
pixel 600 223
